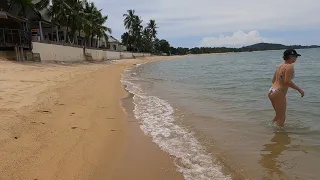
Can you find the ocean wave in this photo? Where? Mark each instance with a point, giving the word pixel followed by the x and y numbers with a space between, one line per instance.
pixel 156 117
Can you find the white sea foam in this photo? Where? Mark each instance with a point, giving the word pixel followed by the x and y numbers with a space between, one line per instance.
pixel 157 120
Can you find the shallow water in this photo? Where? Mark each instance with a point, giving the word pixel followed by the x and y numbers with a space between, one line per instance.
pixel 212 113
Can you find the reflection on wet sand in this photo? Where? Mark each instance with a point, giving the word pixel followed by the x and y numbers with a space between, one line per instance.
pixel 270 155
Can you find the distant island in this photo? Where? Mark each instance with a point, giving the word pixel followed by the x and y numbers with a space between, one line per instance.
pixel 254 47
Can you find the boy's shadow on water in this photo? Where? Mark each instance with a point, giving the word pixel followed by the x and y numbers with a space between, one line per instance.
pixel 270 153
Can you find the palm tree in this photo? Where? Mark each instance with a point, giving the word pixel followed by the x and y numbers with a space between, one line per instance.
pixel 58 14
pixel 56 10
pixel 76 18
pixel 124 37
pixel 101 30
pixel 128 21
pixel 156 45
pixel 137 32
pixel 153 26
pixel 94 25
pixel 60 11
pixel 73 16
pixel 77 15
pixel 89 11
pixel 147 39
pixel 92 16
pixel 23 5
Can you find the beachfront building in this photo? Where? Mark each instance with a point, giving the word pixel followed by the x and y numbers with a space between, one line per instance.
pixel 115 45
pixel 41 39
pixel 13 29
pixel 14 33
pixel 42 29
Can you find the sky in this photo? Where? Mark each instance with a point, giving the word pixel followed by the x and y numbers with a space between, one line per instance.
pixel 213 23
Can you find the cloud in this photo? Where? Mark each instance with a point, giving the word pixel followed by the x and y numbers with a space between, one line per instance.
pixel 237 39
pixel 185 18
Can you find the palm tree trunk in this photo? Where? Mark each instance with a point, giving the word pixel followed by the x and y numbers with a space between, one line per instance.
pixel 127 41
pixel 91 39
pixel 84 45
pixel 79 37
pixel 11 2
pixel 57 34
pixel 51 31
pixel 87 41
pixel 98 42
pixel 75 38
pixel 66 39
pixel 24 11
pixel 64 35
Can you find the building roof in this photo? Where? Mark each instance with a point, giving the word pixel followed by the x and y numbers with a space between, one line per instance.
pixel 111 39
pixel 42 13
pixel 6 15
pixel 32 14
pixel 4 5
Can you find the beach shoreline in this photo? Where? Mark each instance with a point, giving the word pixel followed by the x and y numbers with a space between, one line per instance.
pixel 67 122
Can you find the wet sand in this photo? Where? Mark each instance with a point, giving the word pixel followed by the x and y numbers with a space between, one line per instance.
pixel 65 121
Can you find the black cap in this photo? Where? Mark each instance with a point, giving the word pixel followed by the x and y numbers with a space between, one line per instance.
pixel 290 52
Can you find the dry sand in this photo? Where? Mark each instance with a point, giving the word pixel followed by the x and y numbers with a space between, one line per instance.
pixel 66 122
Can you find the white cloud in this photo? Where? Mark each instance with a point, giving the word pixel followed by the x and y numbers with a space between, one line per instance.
pixel 237 39
pixel 185 18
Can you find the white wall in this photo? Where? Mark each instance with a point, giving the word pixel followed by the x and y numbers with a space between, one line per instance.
pixel 53 52
pixel 123 48
pixel 113 55
pixel 138 54
pixel 99 55
pixel 126 55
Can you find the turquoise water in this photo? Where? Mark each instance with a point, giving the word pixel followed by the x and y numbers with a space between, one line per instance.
pixel 221 101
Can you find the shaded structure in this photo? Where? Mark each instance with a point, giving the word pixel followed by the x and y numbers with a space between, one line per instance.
pixel 14 31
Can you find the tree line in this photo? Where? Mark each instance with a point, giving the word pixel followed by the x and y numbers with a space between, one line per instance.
pixel 254 47
pixel 142 39
pixel 80 16
pixel 76 15
pixel 201 50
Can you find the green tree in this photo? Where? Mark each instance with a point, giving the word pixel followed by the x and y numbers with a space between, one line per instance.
pixel 129 20
pixel 137 33
pixel 173 51
pixel 95 21
pixel 164 46
pixel 23 6
pixel 147 40
pixel 153 26
pixel 127 38
pixel 100 29
pixel 156 45
pixel 76 18
pixel 57 11
pixel 91 12
pixel 77 15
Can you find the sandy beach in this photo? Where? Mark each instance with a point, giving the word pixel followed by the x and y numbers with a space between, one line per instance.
pixel 65 121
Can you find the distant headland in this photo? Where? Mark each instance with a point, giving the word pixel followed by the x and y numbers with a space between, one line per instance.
pixel 254 47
